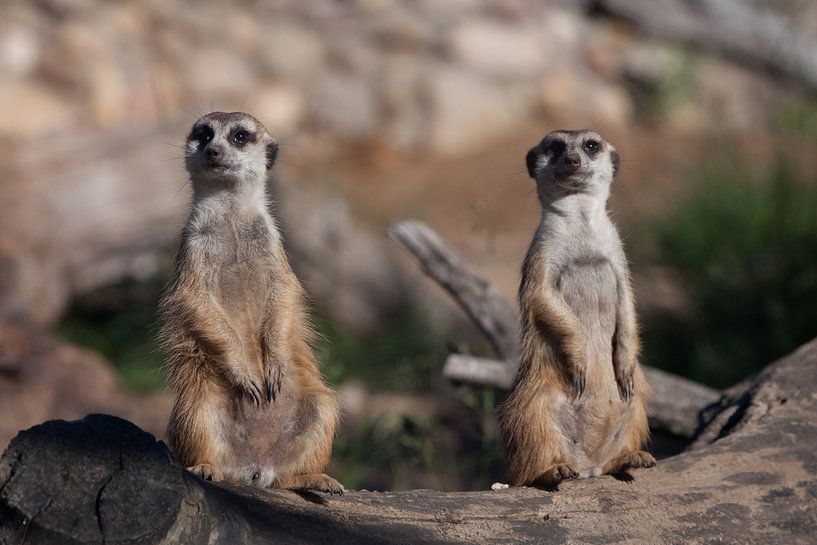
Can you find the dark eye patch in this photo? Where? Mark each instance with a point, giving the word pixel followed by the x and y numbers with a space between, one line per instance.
pixel 201 134
pixel 554 149
pixel 240 137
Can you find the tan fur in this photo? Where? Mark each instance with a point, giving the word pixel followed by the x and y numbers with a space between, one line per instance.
pixel 250 403
pixel 577 408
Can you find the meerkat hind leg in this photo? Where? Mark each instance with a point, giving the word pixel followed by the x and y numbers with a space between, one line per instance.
pixel 629 460
pixel 555 474
pixel 319 482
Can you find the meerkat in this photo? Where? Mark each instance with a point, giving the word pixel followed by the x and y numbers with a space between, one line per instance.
pixel 577 407
pixel 250 404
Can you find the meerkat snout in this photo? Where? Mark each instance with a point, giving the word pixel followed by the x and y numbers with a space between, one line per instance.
pixel 229 147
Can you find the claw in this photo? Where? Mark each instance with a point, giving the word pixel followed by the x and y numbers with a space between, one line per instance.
pixel 627 388
pixel 580 384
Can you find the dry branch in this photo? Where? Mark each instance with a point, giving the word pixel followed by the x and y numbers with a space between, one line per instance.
pixel 481 302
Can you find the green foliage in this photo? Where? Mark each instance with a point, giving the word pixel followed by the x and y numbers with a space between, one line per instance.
pixel 799 118
pixel 456 451
pixel 406 355
pixel 120 323
pixel 674 83
pixel 745 249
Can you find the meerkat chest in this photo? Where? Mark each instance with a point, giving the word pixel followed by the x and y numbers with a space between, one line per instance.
pixel 587 278
pixel 241 256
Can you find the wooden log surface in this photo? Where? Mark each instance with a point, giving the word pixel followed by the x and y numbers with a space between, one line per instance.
pixel 103 480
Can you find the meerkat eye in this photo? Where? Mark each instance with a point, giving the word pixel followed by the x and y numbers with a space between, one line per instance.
pixel 591 146
pixel 241 137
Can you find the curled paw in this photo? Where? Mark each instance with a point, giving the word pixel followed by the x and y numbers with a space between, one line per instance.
pixel 251 389
pixel 579 379
pixel 635 460
pixel 625 380
pixel 273 380
pixel 556 474
pixel 316 482
pixel 208 472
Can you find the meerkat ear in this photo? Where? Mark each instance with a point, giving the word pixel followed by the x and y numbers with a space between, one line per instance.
pixel 614 158
pixel 272 154
pixel 531 160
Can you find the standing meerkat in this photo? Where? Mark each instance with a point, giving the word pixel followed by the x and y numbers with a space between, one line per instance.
pixel 577 408
pixel 250 403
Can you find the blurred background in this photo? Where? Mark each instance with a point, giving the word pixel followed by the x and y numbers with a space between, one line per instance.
pixel 387 110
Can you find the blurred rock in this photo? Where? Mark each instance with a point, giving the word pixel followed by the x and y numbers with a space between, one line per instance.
pixel 42 378
pixel 502 50
pixel 19 51
pixel 291 51
pixel 583 101
pixel 217 71
pixel 466 109
pixel 345 106
pixel 30 109
pixel 279 107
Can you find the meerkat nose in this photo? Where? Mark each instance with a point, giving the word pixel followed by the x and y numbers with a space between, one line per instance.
pixel 573 161
pixel 213 154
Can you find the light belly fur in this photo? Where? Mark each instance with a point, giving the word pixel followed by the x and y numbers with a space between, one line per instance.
pixel 593 424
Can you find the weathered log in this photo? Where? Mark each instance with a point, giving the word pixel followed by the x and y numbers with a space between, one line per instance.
pixel 102 480
pixel 675 406
pixel 736 29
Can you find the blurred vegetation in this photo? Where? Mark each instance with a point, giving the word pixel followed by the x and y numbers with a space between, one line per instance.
pixel 799 117
pixel 456 450
pixel 744 247
pixel 405 356
pixel 120 323
pixel 665 88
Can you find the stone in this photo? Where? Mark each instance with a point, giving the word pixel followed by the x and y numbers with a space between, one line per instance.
pixel 20 51
pixel 279 107
pixel 499 50
pixel 29 110
pixel 465 110
pixel 345 106
pixel 292 51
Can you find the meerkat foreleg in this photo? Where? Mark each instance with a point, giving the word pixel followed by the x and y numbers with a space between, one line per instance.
pixel 273 350
pixel 626 345
pixel 554 318
pixel 213 329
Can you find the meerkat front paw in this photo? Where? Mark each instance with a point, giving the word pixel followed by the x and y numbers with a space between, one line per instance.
pixel 251 388
pixel 274 378
pixel 625 379
pixel 208 472
pixel 579 376
pixel 575 357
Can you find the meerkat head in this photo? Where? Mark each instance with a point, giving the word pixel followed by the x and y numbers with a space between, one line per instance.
pixel 567 162
pixel 225 149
